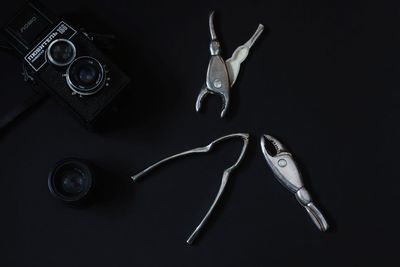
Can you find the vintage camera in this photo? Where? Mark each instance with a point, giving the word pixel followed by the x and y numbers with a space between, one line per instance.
pixel 65 60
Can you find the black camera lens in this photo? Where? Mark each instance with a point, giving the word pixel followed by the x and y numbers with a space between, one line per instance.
pixel 71 180
pixel 61 52
pixel 85 76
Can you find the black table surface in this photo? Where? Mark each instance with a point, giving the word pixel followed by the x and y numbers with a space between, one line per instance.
pixel 323 79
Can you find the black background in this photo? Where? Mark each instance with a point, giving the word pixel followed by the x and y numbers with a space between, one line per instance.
pixel 323 79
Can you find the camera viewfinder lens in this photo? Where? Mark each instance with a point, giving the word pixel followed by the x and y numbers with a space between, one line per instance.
pixel 61 52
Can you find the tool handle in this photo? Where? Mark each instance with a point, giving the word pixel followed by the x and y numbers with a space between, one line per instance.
pixel 240 54
pixel 255 36
pixel 211 25
pixel 225 178
pixel 317 217
pixel 151 167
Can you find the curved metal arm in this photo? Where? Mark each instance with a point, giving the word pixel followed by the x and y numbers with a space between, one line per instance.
pixel 211 25
pixel 317 217
pixel 225 176
pixel 224 181
pixel 150 168
pixel 240 54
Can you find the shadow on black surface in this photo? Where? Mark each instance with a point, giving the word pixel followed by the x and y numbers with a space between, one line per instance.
pixel 113 193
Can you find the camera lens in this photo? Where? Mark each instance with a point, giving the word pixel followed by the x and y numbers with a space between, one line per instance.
pixel 71 180
pixel 61 52
pixel 85 76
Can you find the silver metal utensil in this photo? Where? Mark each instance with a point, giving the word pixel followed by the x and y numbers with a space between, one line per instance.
pixel 222 75
pixel 225 176
pixel 287 172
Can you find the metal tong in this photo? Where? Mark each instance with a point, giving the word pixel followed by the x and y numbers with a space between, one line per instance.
pixel 225 176
pixel 222 75
pixel 287 172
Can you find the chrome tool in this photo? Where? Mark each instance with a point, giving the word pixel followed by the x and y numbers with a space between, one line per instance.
pixel 222 75
pixel 225 176
pixel 287 172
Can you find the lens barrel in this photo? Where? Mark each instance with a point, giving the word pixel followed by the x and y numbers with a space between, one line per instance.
pixel 85 76
pixel 61 52
pixel 71 180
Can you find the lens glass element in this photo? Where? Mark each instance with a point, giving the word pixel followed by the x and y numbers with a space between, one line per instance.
pixel 72 181
pixel 87 74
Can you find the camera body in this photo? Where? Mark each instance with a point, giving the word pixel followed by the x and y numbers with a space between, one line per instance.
pixel 64 59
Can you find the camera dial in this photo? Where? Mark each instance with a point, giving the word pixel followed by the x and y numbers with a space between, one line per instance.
pixel 86 76
pixel 61 52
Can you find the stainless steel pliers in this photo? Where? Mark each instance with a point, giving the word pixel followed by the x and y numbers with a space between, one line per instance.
pixel 286 171
pixel 222 75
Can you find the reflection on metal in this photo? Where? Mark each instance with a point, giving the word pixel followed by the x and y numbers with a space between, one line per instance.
pixel 287 172
pixel 225 176
pixel 222 75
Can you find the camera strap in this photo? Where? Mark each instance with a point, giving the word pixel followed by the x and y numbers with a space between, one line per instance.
pixel 15 112
pixel 6 48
